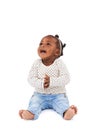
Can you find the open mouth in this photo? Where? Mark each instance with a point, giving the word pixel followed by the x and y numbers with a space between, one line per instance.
pixel 42 51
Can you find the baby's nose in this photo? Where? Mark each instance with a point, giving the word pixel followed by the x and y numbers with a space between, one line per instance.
pixel 43 45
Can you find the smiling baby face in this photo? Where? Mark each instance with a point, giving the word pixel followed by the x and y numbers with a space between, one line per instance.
pixel 48 48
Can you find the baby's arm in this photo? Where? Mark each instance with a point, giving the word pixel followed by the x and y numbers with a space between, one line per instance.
pixel 33 78
pixel 63 77
pixel 59 81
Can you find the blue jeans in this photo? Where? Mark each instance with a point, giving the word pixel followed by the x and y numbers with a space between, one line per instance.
pixel 39 102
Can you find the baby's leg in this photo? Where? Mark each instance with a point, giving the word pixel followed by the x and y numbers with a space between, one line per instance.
pixel 26 115
pixel 72 110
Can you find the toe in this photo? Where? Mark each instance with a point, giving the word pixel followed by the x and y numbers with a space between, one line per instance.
pixel 20 113
pixel 75 108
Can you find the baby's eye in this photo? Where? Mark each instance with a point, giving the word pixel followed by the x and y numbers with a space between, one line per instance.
pixel 40 44
pixel 48 44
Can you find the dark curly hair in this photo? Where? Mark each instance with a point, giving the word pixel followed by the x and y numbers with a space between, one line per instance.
pixel 61 45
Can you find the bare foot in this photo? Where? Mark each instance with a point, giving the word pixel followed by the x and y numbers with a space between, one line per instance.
pixel 26 115
pixel 72 110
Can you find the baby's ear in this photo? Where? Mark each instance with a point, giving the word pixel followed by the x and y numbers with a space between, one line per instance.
pixel 57 53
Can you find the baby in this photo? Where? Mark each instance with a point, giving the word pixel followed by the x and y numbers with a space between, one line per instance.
pixel 49 76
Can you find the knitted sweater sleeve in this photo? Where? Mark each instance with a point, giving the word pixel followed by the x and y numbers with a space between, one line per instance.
pixel 33 76
pixel 63 77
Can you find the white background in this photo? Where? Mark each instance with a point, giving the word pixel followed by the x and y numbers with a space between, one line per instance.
pixel 22 25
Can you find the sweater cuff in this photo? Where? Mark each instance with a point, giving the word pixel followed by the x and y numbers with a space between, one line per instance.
pixel 42 83
pixel 52 82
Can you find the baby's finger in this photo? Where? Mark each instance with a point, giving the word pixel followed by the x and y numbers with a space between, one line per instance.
pixel 46 85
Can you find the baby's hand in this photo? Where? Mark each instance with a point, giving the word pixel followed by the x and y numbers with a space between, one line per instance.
pixel 46 81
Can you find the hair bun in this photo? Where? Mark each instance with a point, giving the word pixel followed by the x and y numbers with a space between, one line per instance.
pixel 57 36
pixel 64 45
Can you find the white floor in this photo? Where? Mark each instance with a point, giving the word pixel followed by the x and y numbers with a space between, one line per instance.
pixel 48 120
pixel 12 101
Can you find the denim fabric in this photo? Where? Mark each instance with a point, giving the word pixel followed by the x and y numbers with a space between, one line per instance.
pixel 39 102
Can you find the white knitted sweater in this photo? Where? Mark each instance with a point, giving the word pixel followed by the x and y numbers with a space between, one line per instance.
pixel 57 72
